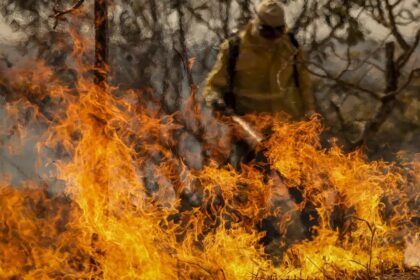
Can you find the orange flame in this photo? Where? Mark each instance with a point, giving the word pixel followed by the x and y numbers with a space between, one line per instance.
pixel 122 215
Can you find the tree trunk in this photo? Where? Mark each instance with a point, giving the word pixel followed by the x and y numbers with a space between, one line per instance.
pixel 101 42
pixel 388 100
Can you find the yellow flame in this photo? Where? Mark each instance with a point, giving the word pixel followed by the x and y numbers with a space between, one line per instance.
pixel 109 225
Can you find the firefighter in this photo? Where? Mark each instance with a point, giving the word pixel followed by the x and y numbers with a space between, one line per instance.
pixel 261 69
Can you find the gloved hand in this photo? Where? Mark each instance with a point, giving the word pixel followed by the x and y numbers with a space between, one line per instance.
pixel 219 105
pixel 216 102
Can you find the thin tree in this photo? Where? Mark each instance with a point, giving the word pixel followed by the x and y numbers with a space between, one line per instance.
pixel 101 40
pixel 101 34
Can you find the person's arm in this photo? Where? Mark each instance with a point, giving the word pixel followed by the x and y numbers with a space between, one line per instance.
pixel 217 81
pixel 305 85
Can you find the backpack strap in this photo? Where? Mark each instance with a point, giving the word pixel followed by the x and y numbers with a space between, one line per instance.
pixel 295 43
pixel 233 54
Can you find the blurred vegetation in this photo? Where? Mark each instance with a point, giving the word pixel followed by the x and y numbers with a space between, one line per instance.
pixel 362 54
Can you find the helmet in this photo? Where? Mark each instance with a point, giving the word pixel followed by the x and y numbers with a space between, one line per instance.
pixel 271 12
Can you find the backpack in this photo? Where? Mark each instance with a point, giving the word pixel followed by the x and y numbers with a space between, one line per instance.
pixel 233 54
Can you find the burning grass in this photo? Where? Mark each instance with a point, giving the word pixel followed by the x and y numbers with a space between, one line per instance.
pixel 123 213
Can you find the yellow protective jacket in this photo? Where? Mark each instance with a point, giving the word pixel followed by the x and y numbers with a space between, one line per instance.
pixel 264 79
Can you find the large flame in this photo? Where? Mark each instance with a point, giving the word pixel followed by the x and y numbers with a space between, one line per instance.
pixel 123 215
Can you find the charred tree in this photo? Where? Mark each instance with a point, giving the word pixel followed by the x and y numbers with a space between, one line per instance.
pixel 389 98
pixel 101 40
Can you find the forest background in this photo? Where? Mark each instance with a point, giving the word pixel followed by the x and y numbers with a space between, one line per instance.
pixel 363 56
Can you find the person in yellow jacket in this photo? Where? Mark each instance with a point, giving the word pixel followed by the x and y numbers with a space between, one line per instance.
pixel 261 69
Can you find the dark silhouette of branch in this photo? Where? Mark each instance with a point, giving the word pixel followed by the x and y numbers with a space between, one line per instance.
pixel 300 20
pixel 410 79
pixel 408 16
pixel 405 57
pixel 59 14
pixel 393 25
pixel 372 230
pixel 186 67
pixel 246 13
pixel 392 75
pixel 327 75
pixel 226 16
pixel 182 39
pixel 199 18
